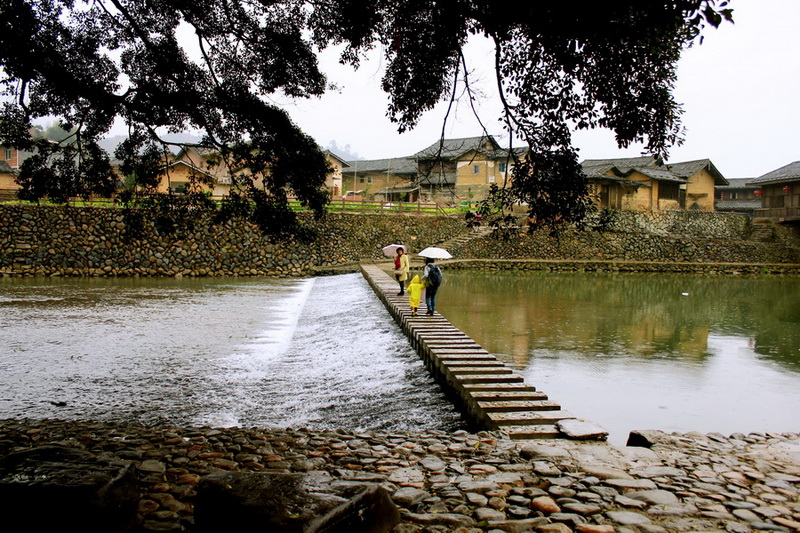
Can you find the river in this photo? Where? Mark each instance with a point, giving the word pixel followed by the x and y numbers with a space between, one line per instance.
pixel 628 351
pixel 643 351
pixel 320 353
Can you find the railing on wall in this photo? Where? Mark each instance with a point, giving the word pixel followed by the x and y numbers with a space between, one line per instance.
pixel 348 205
pixel 778 212
pixel 337 205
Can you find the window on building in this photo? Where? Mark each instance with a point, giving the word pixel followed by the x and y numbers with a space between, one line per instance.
pixel 491 178
pixel 8 153
pixel 501 167
pixel 361 179
pixel 668 191
pixel 476 169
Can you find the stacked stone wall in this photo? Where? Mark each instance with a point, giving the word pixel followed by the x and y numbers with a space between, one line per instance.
pixel 58 241
pixel 635 236
pixel 625 247
pixel 71 241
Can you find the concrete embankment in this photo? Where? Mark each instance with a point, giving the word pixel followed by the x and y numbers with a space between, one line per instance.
pixel 460 482
pixel 490 394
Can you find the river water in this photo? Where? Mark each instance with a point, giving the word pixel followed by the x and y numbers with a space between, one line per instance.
pixel 628 351
pixel 643 351
pixel 320 353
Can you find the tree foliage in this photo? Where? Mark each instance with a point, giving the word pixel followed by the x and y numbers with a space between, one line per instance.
pixel 560 66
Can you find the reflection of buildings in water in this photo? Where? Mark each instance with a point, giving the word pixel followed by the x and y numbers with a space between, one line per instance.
pixel 648 339
pixel 584 315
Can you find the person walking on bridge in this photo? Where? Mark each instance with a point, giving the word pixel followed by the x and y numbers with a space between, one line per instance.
pixel 402 264
pixel 432 278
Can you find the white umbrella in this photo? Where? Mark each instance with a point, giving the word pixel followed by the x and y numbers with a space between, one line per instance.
pixel 435 253
pixel 391 249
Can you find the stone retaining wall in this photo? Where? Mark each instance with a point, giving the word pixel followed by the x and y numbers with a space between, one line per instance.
pixel 625 266
pixel 58 241
pixel 728 226
pixel 70 241
pixel 680 237
pixel 626 247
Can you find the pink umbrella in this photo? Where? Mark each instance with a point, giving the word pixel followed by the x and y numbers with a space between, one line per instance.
pixel 391 250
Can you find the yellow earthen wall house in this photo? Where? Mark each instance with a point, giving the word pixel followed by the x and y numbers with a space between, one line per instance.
pixel 641 184
pixel 700 191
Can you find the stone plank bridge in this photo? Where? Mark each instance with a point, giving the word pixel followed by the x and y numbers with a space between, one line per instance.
pixel 489 393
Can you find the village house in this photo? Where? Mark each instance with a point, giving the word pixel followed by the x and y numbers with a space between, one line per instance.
pixel 334 180
pixel 387 180
pixel 200 165
pixel 738 197
pixel 464 169
pixel 780 194
pixel 448 171
pixel 10 161
pixel 640 183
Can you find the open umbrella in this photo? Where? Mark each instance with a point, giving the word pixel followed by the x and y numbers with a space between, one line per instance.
pixel 435 253
pixel 391 249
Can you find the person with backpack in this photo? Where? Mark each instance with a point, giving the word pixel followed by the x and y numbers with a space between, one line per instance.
pixel 432 276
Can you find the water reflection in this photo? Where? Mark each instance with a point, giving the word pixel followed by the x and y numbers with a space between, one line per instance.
pixel 639 351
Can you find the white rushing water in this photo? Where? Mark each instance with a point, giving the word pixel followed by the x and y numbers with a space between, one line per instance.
pixel 320 353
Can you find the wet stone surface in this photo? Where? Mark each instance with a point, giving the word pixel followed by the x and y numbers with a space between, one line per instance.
pixel 467 483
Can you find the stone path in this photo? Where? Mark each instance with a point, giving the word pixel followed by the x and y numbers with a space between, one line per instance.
pixel 469 483
pixel 490 394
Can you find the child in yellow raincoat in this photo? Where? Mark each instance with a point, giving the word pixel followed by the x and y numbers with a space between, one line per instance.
pixel 414 294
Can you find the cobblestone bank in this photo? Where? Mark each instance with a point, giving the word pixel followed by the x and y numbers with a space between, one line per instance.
pixel 58 241
pixel 470 483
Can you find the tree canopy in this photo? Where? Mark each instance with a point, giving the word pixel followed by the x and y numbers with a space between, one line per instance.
pixel 170 65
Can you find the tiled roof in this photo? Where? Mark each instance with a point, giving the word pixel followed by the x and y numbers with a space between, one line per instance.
pixel 5 168
pixel 333 155
pixel 737 183
pixel 191 166
pixel 687 169
pixel 625 164
pixel 397 165
pixel 660 174
pixel 675 172
pixel 790 172
pixel 453 148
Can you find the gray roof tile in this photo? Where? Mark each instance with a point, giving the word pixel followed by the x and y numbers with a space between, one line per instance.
pixel 790 172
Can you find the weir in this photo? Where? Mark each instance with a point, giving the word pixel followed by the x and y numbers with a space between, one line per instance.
pixel 489 393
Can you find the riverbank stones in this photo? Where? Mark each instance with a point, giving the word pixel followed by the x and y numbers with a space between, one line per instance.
pixel 441 482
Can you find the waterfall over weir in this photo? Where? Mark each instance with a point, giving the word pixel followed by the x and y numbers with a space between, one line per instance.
pixel 320 353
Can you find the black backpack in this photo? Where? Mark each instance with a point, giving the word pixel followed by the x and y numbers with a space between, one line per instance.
pixel 434 276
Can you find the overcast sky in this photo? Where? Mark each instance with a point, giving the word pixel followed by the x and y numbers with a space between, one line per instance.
pixel 739 89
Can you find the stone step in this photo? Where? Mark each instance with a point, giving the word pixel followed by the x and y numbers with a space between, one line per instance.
pixel 500 396
pixel 546 431
pixel 477 359
pixel 526 418
pixel 455 341
pixel 507 406
pixel 451 340
pixel 472 388
pixel 452 363
pixel 491 379
pixel 452 353
pixel 492 370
